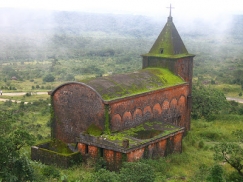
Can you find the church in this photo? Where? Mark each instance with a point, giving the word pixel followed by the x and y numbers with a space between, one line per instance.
pixel 126 117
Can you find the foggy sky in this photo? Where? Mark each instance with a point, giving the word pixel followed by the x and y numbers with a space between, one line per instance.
pixel 189 14
pixel 184 8
pixel 207 17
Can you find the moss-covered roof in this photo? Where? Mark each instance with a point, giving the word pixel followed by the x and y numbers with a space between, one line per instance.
pixel 169 43
pixel 128 84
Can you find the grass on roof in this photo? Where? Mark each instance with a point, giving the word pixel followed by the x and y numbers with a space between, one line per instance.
pixel 159 78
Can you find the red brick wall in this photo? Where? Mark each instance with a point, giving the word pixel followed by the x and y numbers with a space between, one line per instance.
pixel 181 66
pixel 177 142
pixel 93 151
pixel 184 68
pixel 168 105
pixel 158 149
pixel 135 155
pixel 82 148
pixel 76 107
pixel 113 159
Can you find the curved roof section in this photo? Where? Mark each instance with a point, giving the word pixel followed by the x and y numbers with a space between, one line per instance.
pixel 169 43
pixel 129 84
pixel 70 83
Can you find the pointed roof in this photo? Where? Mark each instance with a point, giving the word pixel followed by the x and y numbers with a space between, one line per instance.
pixel 169 43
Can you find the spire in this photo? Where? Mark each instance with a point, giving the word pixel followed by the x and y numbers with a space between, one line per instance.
pixel 170 9
pixel 169 42
pixel 170 17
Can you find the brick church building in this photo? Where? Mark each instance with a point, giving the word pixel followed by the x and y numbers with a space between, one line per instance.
pixel 130 116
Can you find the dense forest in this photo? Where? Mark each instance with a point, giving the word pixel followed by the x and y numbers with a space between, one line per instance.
pixel 43 49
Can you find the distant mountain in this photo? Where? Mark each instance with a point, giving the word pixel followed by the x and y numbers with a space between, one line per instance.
pixel 25 21
pixel 29 34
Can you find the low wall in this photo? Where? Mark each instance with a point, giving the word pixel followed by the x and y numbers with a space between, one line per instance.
pixel 49 157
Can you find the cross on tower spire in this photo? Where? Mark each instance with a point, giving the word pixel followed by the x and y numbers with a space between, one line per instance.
pixel 170 9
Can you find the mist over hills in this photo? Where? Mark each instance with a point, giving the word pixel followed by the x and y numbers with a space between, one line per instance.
pixel 29 34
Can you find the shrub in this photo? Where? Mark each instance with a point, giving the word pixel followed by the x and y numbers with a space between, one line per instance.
pixel 100 164
pixel 201 144
pixel 48 78
pixel 211 135
pixel 28 94
pixel 216 174
pixel 50 171
pixel 104 175
pixel 207 102
pixel 69 77
pixel 234 177
pixel 202 173
pixel 240 111
pixel 136 172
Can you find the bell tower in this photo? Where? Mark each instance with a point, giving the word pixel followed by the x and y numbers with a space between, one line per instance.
pixel 169 51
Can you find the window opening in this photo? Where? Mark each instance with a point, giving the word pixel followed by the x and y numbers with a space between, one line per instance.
pixel 86 149
pixel 101 152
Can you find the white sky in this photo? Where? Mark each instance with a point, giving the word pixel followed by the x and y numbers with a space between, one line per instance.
pixel 149 7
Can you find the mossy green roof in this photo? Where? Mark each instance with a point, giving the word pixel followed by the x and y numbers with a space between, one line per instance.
pixel 169 43
pixel 128 84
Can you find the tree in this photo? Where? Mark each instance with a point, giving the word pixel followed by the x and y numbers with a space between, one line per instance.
pixel 13 165
pixel 207 101
pixel 69 77
pixel 49 78
pixel 216 174
pixel 230 153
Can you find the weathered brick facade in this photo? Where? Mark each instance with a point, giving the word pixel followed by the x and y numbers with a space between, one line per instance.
pixel 72 114
pixel 75 107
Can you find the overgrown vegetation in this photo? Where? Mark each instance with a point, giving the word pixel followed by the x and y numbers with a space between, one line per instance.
pixel 14 165
pixel 207 102
pixel 199 143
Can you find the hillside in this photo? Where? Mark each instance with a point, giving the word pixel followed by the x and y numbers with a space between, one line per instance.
pixel 97 44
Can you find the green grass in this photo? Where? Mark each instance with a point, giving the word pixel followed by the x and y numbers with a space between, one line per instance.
pixel 186 166
pixel 229 90
pixel 24 98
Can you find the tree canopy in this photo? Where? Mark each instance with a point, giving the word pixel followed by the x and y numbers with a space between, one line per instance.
pixel 207 101
pixel 13 165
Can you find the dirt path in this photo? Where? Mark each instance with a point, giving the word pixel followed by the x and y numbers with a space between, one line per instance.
pixel 19 94
pixel 235 99
pixel 23 93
